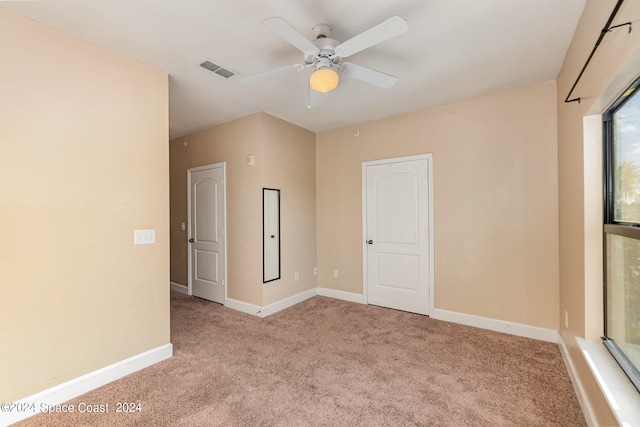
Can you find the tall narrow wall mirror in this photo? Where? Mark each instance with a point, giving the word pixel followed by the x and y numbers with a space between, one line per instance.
pixel 270 234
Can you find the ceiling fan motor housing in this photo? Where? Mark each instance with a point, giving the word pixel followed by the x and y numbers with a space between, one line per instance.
pixel 326 54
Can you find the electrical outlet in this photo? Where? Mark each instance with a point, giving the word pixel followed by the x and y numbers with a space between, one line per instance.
pixel 566 319
pixel 315 271
pixel 296 277
pixel 335 274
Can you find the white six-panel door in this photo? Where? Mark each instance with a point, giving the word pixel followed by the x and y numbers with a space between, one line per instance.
pixel 396 215
pixel 206 232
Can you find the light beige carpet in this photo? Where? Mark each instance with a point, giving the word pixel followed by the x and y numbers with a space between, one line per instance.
pixel 326 362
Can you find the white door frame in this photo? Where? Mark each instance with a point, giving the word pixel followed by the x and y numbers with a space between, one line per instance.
pixel 223 165
pixel 429 159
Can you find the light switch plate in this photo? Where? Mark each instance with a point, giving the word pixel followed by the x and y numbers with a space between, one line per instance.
pixel 144 237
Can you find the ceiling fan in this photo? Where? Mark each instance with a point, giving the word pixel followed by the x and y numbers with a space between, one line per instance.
pixel 325 55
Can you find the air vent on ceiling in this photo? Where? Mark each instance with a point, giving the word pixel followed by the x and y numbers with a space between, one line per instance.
pixel 219 70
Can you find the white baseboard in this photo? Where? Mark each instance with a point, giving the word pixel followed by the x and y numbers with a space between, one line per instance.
pixel 242 306
pixel 269 309
pixel 85 383
pixel 277 306
pixel 512 328
pixel 578 387
pixel 517 329
pixel 345 296
pixel 177 287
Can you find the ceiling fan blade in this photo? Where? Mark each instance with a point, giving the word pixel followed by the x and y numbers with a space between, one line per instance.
pixel 273 73
pixel 368 75
pixel 315 98
pixel 384 31
pixel 285 30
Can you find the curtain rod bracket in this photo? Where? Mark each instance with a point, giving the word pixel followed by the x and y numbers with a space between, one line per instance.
pixel 618 26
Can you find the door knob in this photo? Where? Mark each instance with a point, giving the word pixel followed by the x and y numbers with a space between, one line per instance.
pixel 191 240
pixel 370 242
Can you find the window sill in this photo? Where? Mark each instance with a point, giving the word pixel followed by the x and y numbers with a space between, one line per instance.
pixel 622 396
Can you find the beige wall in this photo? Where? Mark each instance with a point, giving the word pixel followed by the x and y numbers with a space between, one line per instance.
pixel 83 162
pixel 495 201
pixel 285 159
pixel 289 164
pixel 230 143
pixel 613 67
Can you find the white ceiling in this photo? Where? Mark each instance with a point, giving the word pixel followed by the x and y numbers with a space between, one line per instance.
pixel 454 50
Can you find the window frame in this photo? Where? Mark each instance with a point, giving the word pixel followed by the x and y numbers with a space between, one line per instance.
pixel 613 227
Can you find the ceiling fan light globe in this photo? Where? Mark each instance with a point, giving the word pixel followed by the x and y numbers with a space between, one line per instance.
pixel 324 80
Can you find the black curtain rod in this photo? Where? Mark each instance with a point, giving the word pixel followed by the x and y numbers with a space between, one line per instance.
pixel 607 28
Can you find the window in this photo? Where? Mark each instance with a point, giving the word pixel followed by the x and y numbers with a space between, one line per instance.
pixel 622 232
